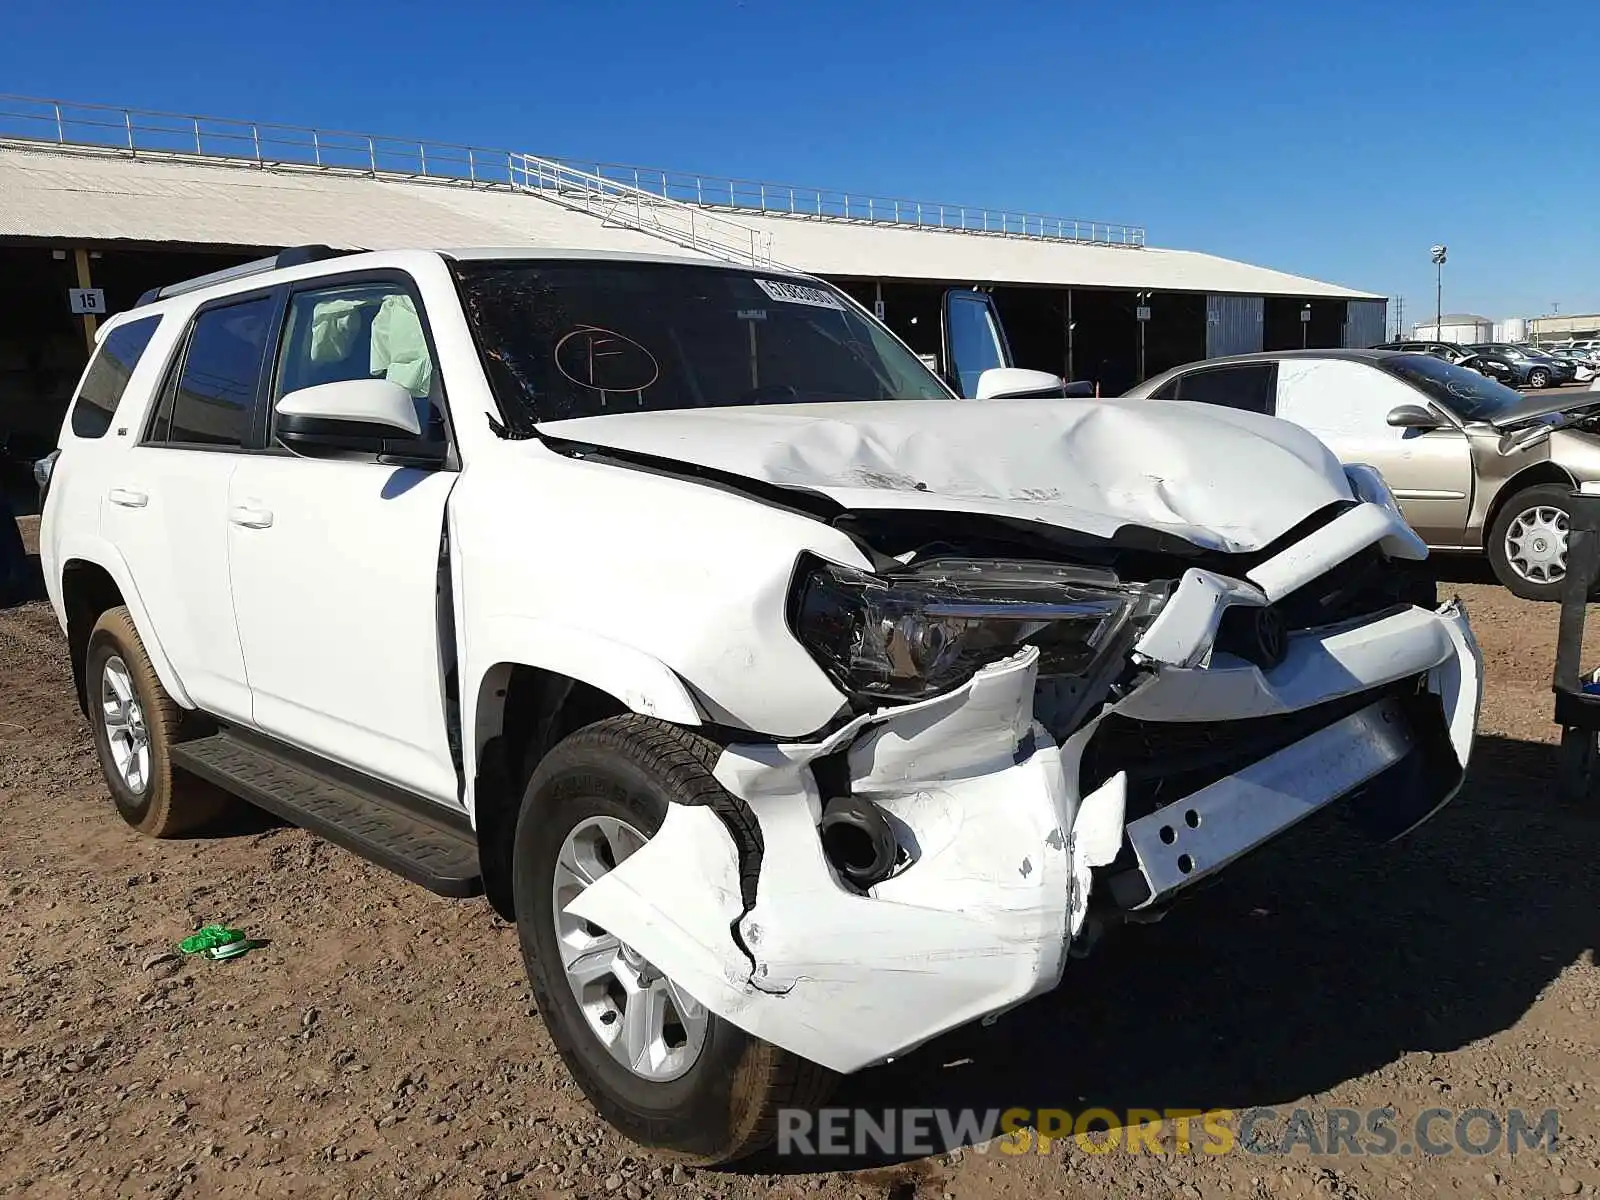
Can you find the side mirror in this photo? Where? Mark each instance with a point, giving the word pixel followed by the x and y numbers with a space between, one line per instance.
pixel 1413 416
pixel 1016 383
pixel 353 418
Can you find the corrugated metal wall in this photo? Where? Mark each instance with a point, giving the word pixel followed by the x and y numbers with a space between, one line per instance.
pixel 1233 325
pixel 1366 323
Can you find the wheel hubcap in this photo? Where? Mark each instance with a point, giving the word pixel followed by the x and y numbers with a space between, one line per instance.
pixel 1536 544
pixel 648 1024
pixel 123 718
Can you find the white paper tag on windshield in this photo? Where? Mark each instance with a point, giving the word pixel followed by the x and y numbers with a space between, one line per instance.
pixel 794 293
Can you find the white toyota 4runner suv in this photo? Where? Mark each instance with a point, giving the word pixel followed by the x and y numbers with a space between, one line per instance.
pixel 795 708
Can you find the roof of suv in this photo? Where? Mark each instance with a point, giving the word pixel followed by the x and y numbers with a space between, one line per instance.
pixel 311 261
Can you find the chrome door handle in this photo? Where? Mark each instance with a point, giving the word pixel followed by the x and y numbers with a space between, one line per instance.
pixel 249 517
pixel 128 498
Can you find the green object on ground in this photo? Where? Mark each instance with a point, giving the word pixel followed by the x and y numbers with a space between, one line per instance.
pixel 210 938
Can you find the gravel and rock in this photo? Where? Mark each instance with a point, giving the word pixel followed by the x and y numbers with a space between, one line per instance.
pixel 382 1043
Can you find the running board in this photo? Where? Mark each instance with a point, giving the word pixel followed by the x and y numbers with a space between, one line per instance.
pixel 390 828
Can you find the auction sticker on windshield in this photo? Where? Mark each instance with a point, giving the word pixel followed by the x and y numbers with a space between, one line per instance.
pixel 794 293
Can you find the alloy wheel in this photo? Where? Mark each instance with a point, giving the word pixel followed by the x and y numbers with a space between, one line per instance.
pixel 645 1021
pixel 123 718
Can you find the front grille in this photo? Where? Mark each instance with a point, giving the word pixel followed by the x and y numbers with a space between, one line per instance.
pixel 1167 760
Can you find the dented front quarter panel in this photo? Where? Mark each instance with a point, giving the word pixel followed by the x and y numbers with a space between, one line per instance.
pixel 1002 846
pixel 668 595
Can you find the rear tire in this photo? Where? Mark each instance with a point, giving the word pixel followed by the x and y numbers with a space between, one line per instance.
pixel 719 1104
pixel 135 725
pixel 1527 542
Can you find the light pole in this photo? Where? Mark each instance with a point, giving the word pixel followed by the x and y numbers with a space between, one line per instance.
pixel 1305 325
pixel 1438 256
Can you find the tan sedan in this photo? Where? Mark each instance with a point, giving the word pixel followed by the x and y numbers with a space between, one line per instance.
pixel 1476 466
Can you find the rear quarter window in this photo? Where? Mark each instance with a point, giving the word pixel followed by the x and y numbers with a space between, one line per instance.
pixel 107 377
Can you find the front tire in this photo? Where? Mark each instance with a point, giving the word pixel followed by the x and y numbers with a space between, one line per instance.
pixel 1539 378
pixel 1528 542
pixel 135 725
pixel 672 1076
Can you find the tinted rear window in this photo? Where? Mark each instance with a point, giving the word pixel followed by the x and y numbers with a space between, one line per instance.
pixel 1249 386
pixel 216 391
pixel 107 377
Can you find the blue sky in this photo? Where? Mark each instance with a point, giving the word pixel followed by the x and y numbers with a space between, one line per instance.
pixel 1338 141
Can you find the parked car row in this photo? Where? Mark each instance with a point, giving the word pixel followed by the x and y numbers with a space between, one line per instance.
pixel 1531 368
pixel 1475 466
pixel 1512 364
pixel 1584 362
pixel 1588 348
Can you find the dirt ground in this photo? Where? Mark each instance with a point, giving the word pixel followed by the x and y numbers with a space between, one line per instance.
pixel 382 1043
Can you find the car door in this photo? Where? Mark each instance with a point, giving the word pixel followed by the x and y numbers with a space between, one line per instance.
pixel 338 580
pixel 166 499
pixel 1346 403
pixel 974 339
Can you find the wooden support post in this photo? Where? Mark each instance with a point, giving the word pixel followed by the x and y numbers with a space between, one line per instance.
pixel 91 323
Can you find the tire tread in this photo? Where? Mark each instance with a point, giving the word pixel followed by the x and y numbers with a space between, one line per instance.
pixel 178 804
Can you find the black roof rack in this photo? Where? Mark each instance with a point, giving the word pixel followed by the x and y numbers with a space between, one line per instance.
pixel 293 256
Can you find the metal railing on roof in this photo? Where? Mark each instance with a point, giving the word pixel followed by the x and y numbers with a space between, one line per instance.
pixel 260 143
pixel 269 144
pixel 622 204
pixel 831 204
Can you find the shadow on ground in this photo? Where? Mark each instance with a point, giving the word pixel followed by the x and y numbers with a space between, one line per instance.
pixel 1461 568
pixel 238 819
pixel 25 584
pixel 1316 962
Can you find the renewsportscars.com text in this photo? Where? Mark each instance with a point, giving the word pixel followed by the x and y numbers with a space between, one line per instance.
pixel 1259 1131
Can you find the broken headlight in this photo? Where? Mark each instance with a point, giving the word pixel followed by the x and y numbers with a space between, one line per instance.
pixel 918 632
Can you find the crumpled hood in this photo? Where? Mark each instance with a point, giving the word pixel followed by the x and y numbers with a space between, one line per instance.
pixel 1219 478
pixel 1532 407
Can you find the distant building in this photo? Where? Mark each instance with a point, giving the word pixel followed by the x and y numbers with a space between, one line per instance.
pixel 1512 329
pixel 99 204
pixel 1564 328
pixel 1464 328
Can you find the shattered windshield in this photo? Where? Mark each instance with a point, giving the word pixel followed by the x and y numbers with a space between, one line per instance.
pixel 563 339
pixel 1469 395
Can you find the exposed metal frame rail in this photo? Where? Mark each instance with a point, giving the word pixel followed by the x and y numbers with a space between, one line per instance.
pixel 636 208
pixel 134 131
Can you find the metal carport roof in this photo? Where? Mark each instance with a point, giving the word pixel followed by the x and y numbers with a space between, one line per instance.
pixel 99 195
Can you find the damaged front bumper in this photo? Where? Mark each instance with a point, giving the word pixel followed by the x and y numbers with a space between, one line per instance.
pixel 1002 842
